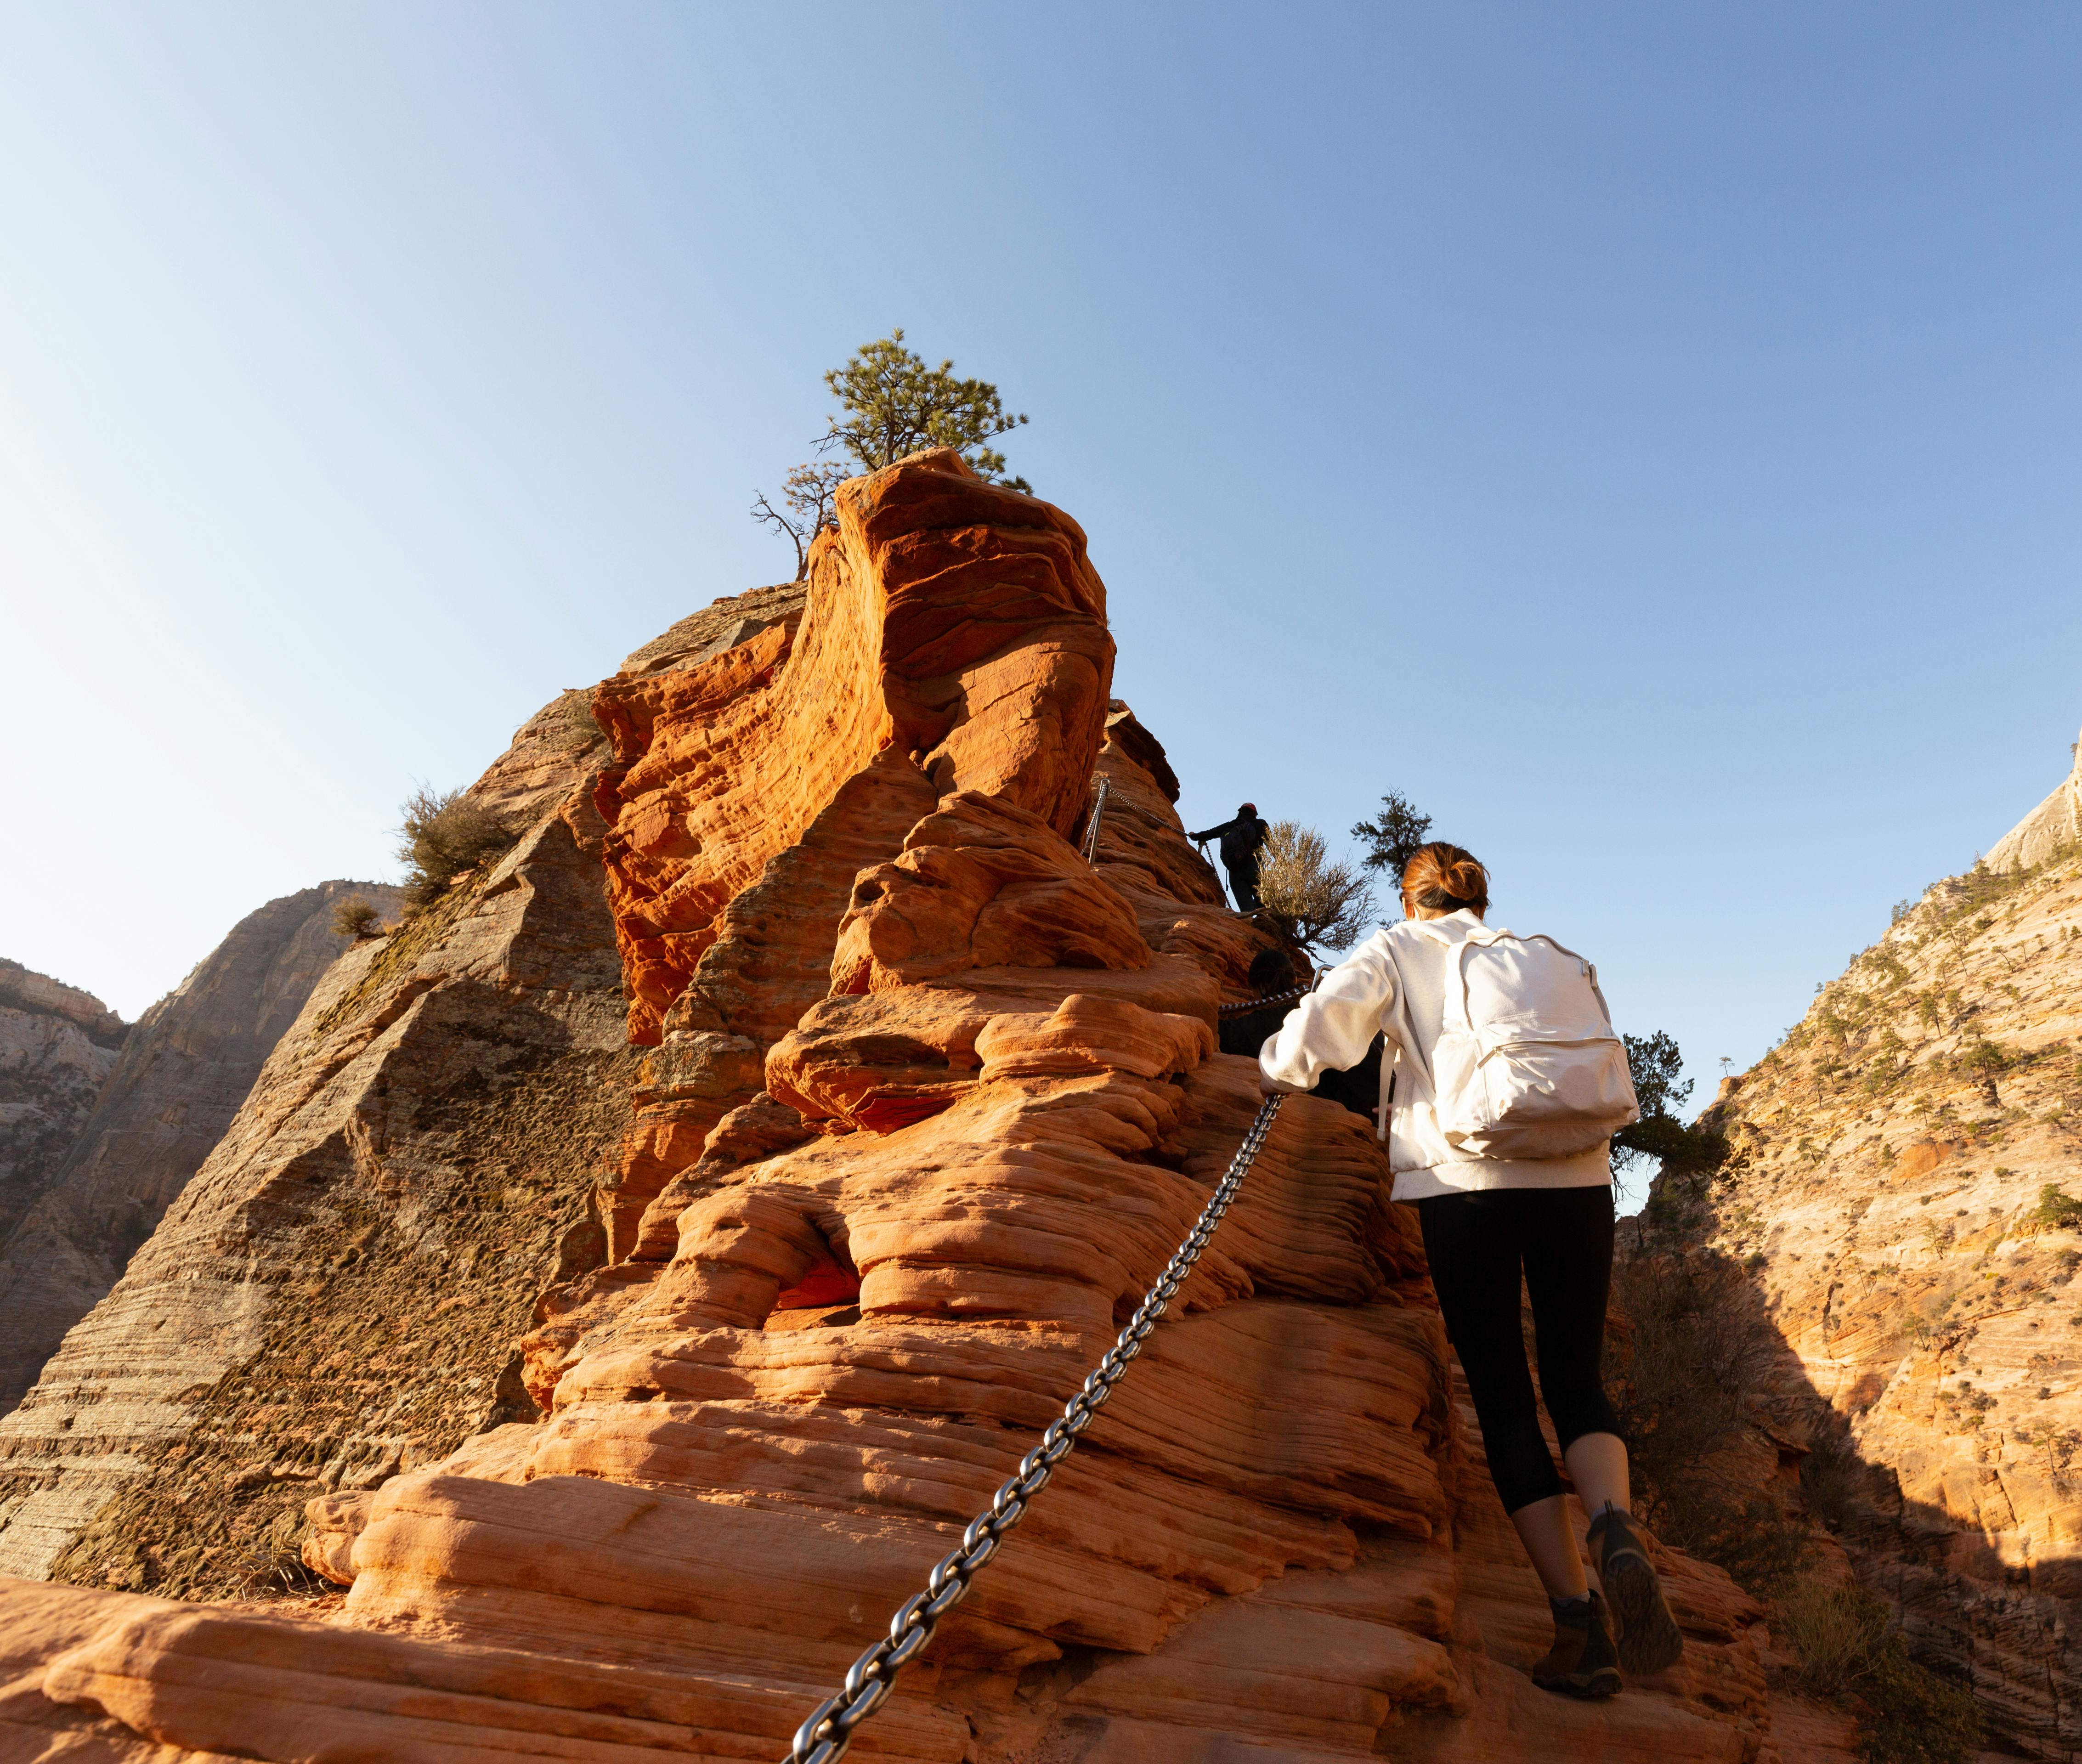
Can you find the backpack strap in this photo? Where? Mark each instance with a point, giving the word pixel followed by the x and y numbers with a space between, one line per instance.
pixel 1405 1026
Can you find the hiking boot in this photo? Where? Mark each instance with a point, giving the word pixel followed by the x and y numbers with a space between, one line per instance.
pixel 1582 1662
pixel 1649 1638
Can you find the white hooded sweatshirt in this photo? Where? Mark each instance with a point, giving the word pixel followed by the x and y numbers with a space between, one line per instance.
pixel 1394 984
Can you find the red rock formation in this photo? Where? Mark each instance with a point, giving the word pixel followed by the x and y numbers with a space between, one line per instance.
pixel 994 1113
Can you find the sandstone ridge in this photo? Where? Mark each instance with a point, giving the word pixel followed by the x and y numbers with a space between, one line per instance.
pixel 922 1103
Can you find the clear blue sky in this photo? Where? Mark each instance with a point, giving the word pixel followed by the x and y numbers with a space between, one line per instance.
pixel 1648 436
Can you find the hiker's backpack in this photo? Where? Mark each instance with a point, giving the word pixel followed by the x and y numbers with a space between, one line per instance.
pixel 1528 1065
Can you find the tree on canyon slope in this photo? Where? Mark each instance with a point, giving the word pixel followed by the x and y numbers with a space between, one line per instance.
pixel 897 405
pixel 1393 836
pixel 1661 1089
pixel 806 510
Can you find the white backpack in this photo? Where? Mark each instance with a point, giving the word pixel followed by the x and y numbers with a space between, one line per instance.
pixel 1528 1065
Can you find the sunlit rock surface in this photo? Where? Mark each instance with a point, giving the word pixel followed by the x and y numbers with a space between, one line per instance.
pixel 922 1103
pixel 1890 1159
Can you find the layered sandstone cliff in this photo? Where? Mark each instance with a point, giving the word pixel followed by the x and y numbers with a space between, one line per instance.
pixel 1887 1191
pixel 922 1102
pixel 185 1067
pixel 57 1046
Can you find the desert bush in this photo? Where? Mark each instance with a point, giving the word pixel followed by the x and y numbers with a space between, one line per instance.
pixel 355 917
pixel 575 729
pixel 1834 1631
pixel 1700 1352
pixel 1308 898
pixel 1833 1479
pixel 2058 1210
pixel 441 835
pixel 1846 1647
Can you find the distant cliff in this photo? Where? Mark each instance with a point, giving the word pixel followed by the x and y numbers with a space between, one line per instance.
pixel 1887 1192
pixel 56 1046
pixel 183 1071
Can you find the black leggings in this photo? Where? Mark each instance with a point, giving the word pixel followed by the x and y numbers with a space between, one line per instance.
pixel 1562 1238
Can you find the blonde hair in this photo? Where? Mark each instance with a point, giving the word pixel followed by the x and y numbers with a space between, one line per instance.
pixel 1444 878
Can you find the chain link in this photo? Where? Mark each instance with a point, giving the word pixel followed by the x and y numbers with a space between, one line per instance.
pixel 823 1738
pixel 1103 788
pixel 1245 1007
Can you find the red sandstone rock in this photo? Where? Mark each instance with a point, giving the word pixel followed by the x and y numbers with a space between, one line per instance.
pixel 1277 1541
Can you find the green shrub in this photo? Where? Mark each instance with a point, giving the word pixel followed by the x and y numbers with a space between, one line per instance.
pixel 1985 1057
pixel 356 917
pixel 443 836
pixel 2057 1209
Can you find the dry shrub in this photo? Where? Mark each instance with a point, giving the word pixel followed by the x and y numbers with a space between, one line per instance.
pixel 443 836
pixel 1308 898
pixel 1846 1646
pixel 1701 1352
pixel 356 917
pixel 1834 1631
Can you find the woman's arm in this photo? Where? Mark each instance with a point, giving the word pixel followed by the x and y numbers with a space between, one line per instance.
pixel 1333 1026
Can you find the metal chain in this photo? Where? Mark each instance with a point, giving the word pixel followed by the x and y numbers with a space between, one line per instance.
pixel 1246 1006
pixel 823 1738
pixel 1104 789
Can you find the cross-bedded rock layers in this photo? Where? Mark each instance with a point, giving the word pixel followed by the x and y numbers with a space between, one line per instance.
pixel 924 1102
pixel 1887 1191
pixel 184 1068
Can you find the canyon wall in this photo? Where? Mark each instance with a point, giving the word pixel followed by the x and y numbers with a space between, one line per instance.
pixel 1887 1192
pixel 919 1103
pixel 184 1068
pixel 57 1046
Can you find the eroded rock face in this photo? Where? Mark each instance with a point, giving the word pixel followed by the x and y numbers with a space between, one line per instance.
pixel 334 1293
pixel 977 1103
pixel 184 1069
pixel 1890 1158
pixel 57 1046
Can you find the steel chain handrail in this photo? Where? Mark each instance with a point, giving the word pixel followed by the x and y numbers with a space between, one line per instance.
pixel 823 1738
pixel 1245 1007
pixel 1103 790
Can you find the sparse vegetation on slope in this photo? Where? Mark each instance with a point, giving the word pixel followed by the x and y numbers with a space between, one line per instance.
pixel 444 837
pixel 1898 1198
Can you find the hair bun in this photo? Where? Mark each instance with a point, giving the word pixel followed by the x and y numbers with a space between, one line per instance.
pixel 1442 878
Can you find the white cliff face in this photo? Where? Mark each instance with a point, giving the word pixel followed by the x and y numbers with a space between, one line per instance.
pixel 2054 824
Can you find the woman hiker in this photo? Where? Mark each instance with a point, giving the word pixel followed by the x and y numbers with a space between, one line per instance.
pixel 1484 1220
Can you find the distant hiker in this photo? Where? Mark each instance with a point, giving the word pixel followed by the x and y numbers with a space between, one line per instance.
pixel 1241 839
pixel 1503 1082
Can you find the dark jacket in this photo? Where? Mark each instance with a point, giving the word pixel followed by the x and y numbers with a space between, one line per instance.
pixel 1241 839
